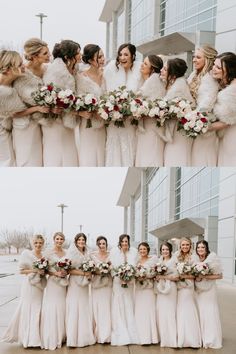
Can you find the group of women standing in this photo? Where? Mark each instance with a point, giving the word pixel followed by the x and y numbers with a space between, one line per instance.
pixel 27 138
pixel 81 309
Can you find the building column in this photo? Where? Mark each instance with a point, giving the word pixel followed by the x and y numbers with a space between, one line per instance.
pixel 143 205
pixel 114 34
pixel 126 11
pixel 132 217
pixel 125 220
pixel 170 210
pixel 108 28
pixel 156 18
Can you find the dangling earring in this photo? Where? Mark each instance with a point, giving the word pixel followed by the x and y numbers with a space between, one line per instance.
pixel 68 63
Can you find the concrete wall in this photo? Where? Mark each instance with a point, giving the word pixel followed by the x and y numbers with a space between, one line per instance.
pixel 226 26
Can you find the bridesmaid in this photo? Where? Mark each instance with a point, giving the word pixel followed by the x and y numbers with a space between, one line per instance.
pixel 54 302
pixel 124 330
pixel 207 297
pixel 124 71
pixel 167 298
pixel 145 300
pixel 188 327
pixel 59 149
pixel 25 324
pixel 101 295
pixel 204 89
pixel 91 141
pixel 178 148
pixel 11 68
pixel 224 71
pixel 150 143
pixel 27 133
pixel 79 324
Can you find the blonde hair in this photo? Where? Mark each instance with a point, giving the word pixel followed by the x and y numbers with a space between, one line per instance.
pixel 9 59
pixel 32 47
pixel 59 234
pixel 181 256
pixel 37 237
pixel 209 54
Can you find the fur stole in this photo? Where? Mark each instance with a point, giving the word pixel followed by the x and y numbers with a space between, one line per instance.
pixel 99 281
pixel 26 262
pixel 10 103
pixel 58 74
pixel 163 286
pixel 215 266
pixel 207 93
pixel 180 89
pixel 153 87
pixel 77 258
pixel 118 77
pixel 117 257
pixel 225 106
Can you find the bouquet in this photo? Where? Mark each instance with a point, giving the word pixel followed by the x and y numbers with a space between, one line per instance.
pixel 41 264
pixel 160 269
pixel 126 272
pixel 65 99
pixel 88 266
pixel 87 102
pixel 104 268
pixel 139 107
pixel 178 107
pixel 184 268
pixel 46 95
pixel 144 275
pixel 159 111
pixel 115 106
pixel 63 264
pixel 201 268
pixel 193 124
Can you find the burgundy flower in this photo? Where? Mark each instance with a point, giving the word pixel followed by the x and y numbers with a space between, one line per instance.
pixel 183 120
pixel 94 101
pixel 50 88
pixel 204 120
pixel 137 100
pixel 116 108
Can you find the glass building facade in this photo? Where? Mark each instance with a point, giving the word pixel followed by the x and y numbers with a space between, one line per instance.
pixel 141 23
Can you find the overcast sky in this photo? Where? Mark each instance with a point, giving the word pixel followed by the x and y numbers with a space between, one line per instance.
pixel 29 199
pixel 71 19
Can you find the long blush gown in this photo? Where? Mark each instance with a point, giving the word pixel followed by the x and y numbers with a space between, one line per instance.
pixel 24 327
pixel 166 306
pixel 145 304
pixel 101 302
pixel 79 323
pixel 188 326
pixel 124 330
pixel 206 296
pixel 54 309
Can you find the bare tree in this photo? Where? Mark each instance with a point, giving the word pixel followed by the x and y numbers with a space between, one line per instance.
pixel 15 238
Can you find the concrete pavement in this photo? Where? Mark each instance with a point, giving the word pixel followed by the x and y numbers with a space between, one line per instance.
pixel 9 293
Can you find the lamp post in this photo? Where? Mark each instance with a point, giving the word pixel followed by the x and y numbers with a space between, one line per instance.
pixel 41 16
pixel 62 206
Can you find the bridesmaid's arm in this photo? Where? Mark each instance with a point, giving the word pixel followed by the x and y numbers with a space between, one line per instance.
pixel 30 271
pixel 210 276
pixel 216 126
pixel 31 110
pixel 80 272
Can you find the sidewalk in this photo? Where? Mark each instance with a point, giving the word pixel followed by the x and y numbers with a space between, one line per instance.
pixel 9 292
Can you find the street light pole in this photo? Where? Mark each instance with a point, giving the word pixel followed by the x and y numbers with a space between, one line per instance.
pixel 41 17
pixel 62 206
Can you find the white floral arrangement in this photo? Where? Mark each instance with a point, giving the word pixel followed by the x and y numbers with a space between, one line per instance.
pixel 41 264
pixel 159 111
pixel 193 123
pixel 184 268
pixel 201 268
pixel 65 99
pixel 160 269
pixel 86 102
pixel 104 268
pixel 88 266
pixel 178 107
pixel 144 275
pixel 46 95
pixel 139 107
pixel 115 106
pixel 126 272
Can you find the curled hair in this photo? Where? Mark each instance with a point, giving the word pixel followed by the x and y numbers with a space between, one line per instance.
pixel 132 50
pixel 9 59
pixel 156 63
pixel 89 52
pixel 205 243
pixel 65 50
pixel 121 238
pixel 175 68
pixel 181 256
pixel 167 244
pixel 37 237
pixel 32 47
pixel 209 54
pixel 58 233
pixel 144 244
pixel 100 238
pixel 81 234
pixel 228 63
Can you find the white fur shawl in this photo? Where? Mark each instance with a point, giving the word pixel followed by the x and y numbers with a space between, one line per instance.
pixel 117 256
pixel 153 87
pixel 180 89
pixel 26 261
pixel 207 92
pixel 77 258
pixel 215 266
pixel 10 103
pixel 115 78
pixel 225 107
pixel 58 74
pixel 86 85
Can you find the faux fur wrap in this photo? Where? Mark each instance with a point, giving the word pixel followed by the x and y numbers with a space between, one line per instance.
pixel 225 106
pixel 115 78
pixel 58 74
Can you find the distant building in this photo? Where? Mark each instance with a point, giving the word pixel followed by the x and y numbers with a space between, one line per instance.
pixel 168 203
pixel 169 27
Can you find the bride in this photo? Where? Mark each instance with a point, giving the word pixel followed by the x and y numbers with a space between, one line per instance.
pixel 122 309
pixel 125 71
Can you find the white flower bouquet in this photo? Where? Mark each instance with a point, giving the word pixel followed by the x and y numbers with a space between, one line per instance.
pixel 104 268
pixel 193 124
pixel 46 95
pixel 126 272
pixel 159 111
pixel 65 99
pixel 201 268
pixel 86 102
pixel 139 107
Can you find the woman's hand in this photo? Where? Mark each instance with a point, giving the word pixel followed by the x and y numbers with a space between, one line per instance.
pixel 216 126
pixel 41 271
pixel 61 273
pixel 85 114
pixel 57 110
